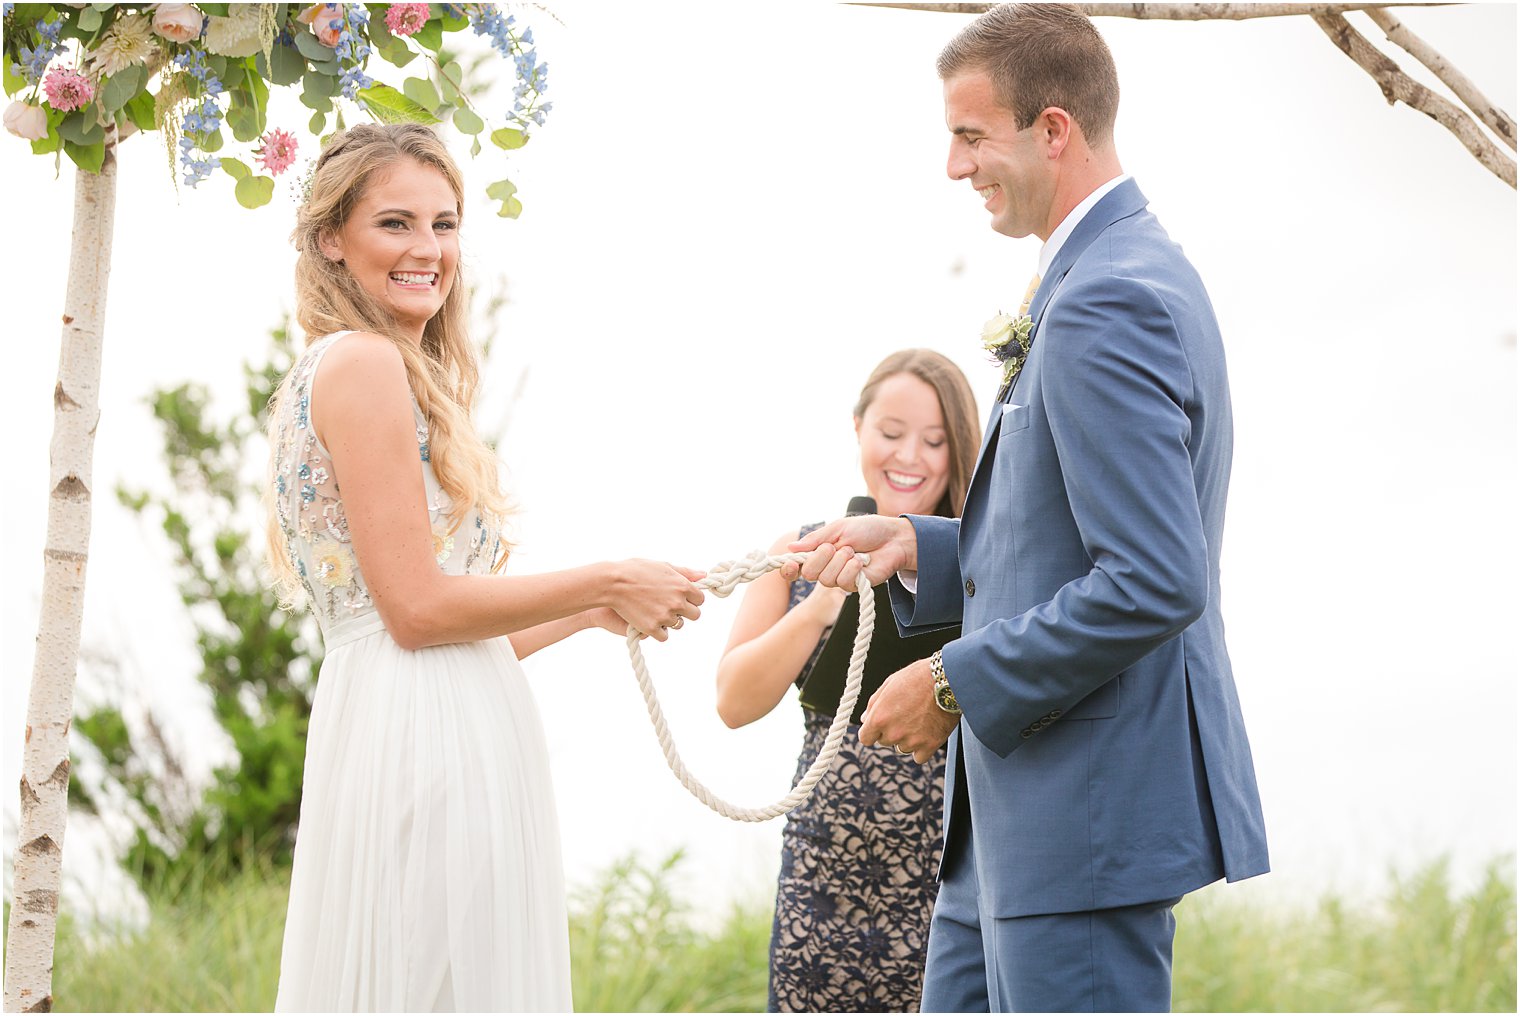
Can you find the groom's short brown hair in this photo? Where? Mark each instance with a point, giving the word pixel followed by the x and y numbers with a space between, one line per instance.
pixel 1040 55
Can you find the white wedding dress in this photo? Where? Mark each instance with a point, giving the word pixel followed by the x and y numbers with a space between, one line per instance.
pixel 427 865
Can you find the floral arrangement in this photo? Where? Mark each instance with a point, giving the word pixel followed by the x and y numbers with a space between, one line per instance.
pixel 198 72
pixel 1007 338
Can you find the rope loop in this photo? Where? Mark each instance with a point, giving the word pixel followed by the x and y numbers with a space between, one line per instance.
pixel 722 580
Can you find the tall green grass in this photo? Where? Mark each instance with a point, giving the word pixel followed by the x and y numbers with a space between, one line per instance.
pixel 213 944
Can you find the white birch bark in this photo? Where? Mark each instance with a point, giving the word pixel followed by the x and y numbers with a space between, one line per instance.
pixel 50 706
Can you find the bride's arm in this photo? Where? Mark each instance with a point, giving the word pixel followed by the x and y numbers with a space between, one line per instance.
pixel 530 640
pixel 361 409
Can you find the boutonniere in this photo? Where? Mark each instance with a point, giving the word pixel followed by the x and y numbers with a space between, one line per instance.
pixel 1007 338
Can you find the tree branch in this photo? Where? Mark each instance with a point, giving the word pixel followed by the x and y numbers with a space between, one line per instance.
pixel 1400 87
pixel 1498 121
pixel 1174 12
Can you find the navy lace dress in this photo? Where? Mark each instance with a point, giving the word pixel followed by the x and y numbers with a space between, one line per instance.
pixel 857 882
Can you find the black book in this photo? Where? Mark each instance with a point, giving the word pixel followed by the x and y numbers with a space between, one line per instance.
pixel 823 683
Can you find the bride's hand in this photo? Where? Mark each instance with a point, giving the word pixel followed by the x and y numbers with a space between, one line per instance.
pixel 654 596
pixel 607 619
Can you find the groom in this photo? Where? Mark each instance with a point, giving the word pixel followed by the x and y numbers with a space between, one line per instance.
pixel 1099 767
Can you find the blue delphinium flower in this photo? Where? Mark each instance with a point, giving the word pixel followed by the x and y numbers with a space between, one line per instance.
pixel 532 76
pixel 200 120
pixel 353 48
pixel 35 61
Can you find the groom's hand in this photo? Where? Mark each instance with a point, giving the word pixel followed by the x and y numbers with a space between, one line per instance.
pixel 890 542
pixel 902 715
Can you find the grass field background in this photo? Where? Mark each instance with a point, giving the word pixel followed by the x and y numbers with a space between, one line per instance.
pixel 213 944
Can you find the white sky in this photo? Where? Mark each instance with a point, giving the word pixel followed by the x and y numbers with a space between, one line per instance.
pixel 730 217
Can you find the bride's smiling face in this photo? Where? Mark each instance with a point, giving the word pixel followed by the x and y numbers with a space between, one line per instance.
pixel 401 241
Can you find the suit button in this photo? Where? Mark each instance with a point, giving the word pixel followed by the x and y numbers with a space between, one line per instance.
pixel 970 588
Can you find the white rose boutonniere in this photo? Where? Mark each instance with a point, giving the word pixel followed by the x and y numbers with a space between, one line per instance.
pixel 1007 338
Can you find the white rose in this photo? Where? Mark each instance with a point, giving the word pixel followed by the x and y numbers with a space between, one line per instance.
pixel 26 121
pixel 997 331
pixel 177 22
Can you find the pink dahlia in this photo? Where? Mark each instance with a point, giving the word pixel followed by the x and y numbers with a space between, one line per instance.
pixel 406 19
pixel 278 152
pixel 67 89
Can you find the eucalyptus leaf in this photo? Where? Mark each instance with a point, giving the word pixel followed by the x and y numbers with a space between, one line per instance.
pixel 505 191
pixel 390 106
pixel 311 48
pixel 236 169
pixel 120 87
pixel 430 35
pixel 398 53
pixel 468 122
pixel 90 20
pixel 253 191
pixel 422 92
pixel 509 138
pixel 212 142
pixel 318 92
pixel 286 65
pixel 474 146
pixel 243 119
pixel 87 157
pixel 318 123
pixel 448 75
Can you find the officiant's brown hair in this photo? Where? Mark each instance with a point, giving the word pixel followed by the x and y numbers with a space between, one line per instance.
pixel 956 404
pixel 1038 56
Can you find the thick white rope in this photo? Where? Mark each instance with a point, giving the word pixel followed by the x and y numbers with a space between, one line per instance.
pixel 723 579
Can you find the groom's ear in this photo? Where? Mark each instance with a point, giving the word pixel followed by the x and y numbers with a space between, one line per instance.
pixel 1057 129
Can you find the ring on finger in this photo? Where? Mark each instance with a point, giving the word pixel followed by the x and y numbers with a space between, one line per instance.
pixel 900 750
pixel 679 621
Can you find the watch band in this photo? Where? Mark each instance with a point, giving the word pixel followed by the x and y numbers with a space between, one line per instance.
pixel 944 697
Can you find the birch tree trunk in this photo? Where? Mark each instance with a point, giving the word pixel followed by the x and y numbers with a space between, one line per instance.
pixel 50 706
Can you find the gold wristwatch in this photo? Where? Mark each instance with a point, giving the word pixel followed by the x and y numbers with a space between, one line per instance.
pixel 943 696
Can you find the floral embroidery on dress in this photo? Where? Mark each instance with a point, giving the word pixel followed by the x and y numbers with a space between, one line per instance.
pixel 309 507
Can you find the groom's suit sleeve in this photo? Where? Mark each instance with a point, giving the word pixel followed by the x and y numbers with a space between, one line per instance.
pixel 1115 381
pixel 937 602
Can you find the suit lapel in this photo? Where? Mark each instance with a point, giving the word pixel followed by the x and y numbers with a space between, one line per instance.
pixel 1120 203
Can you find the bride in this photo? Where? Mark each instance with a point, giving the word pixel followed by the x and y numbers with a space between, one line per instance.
pixel 427 866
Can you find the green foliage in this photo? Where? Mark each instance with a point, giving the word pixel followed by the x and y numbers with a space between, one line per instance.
pixel 632 948
pixel 1423 949
pixel 258 662
pixel 212 943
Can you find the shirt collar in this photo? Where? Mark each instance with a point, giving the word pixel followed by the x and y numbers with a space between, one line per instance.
pixel 1064 230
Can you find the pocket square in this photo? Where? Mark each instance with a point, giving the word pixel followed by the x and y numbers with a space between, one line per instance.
pixel 1009 407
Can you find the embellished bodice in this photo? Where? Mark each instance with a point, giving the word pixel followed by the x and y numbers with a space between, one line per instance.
pixel 309 507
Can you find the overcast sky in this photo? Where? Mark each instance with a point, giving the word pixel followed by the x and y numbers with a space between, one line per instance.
pixel 732 214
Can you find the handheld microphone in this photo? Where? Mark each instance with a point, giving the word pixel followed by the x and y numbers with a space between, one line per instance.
pixel 861 506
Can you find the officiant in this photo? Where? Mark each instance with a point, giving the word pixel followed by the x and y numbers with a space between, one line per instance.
pixel 858 860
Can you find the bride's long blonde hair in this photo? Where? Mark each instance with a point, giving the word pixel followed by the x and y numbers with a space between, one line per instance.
pixel 443 371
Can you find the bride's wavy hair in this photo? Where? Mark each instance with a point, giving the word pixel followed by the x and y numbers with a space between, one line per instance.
pixel 443 370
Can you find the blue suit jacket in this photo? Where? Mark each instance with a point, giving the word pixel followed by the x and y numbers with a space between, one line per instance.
pixel 1102 745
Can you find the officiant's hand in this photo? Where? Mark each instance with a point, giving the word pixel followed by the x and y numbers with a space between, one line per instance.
pixel 891 542
pixel 903 715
